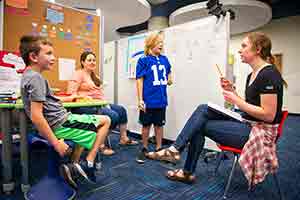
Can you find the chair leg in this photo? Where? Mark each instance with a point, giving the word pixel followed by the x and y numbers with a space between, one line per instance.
pixel 108 141
pixel 278 186
pixel 230 176
pixel 98 161
pixel 219 162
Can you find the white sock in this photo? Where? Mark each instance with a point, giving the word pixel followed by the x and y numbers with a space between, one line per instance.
pixel 90 164
pixel 173 149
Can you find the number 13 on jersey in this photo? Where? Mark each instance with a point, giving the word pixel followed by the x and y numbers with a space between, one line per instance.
pixel 158 70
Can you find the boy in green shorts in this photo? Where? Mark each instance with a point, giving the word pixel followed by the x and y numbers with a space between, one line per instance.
pixel 49 116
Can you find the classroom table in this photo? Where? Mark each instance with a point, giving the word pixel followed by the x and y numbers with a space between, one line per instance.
pixel 8 184
pixel 5 118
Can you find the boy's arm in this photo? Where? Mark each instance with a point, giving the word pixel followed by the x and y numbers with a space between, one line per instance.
pixel 170 79
pixel 44 129
pixel 139 86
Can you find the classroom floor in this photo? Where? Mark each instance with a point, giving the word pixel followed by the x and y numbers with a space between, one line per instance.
pixel 124 179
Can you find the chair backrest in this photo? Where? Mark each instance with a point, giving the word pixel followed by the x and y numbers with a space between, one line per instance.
pixel 283 118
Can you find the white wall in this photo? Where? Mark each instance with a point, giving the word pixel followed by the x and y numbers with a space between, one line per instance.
pixel 109 71
pixel 127 87
pixel 285 36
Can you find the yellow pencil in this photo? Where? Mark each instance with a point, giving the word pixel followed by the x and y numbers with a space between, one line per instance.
pixel 219 70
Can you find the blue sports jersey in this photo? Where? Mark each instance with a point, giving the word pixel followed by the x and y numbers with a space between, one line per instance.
pixel 155 71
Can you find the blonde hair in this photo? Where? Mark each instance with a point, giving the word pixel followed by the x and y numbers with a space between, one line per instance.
pixel 151 41
pixel 263 42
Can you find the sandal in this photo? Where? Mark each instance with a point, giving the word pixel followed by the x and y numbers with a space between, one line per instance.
pixel 159 149
pixel 169 156
pixel 128 142
pixel 106 151
pixel 185 177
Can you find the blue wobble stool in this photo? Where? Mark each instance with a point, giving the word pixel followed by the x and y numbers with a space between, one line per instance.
pixel 52 186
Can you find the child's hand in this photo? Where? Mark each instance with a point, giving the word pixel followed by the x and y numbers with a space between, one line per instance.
pixel 142 106
pixel 61 147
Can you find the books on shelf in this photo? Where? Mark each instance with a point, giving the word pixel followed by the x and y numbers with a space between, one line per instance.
pixel 224 111
pixel 7 97
pixel 15 138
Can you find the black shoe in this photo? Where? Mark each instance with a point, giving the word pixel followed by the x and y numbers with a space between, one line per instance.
pixel 69 173
pixel 85 171
pixel 142 156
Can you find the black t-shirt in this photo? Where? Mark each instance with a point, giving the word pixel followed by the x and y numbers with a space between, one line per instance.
pixel 267 81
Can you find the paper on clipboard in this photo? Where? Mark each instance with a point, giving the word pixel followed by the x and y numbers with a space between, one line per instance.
pixel 225 111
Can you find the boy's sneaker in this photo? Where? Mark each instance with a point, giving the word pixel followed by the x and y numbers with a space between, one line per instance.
pixel 85 171
pixel 69 173
pixel 142 156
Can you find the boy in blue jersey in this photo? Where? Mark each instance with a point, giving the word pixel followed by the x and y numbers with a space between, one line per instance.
pixel 153 74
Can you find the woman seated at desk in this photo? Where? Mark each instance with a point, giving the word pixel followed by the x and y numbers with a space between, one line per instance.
pixel 85 82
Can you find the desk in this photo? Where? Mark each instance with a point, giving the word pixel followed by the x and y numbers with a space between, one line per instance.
pixel 8 183
pixel 5 117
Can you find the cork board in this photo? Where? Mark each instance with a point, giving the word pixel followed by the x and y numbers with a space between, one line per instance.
pixel 71 32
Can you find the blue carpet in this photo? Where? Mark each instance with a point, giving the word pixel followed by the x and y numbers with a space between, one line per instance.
pixel 123 179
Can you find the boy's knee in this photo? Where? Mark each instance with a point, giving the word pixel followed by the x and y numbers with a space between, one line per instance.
pixel 106 120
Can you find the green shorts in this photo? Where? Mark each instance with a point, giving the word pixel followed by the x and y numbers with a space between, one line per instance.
pixel 81 129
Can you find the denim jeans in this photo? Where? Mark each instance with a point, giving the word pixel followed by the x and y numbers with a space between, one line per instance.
pixel 220 129
pixel 116 113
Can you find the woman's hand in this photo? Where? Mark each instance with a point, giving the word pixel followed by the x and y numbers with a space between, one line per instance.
pixel 142 106
pixel 231 97
pixel 89 87
pixel 227 85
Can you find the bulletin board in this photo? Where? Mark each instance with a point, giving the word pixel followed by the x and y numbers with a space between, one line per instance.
pixel 71 31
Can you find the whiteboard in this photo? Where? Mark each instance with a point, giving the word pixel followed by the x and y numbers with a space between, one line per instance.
pixel 109 71
pixel 193 50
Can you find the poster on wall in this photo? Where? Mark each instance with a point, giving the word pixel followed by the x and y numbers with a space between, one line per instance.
pixel 54 16
pixel 66 68
pixel 134 51
pixel 17 3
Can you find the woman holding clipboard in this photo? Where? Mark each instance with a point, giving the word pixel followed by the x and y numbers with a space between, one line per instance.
pixel 263 105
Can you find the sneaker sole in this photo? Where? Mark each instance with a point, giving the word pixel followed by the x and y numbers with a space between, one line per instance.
pixel 66 174
pixel 82 172
pixel 140 161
